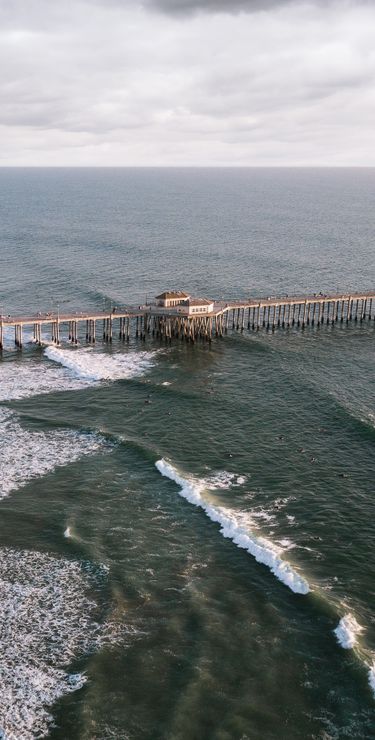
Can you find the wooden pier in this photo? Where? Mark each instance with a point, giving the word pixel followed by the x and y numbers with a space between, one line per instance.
pixel 171 323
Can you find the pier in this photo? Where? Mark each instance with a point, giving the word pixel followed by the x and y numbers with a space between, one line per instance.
pixel 178 316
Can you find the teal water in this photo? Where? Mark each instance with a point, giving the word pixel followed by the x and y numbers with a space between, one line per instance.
pixel 125 611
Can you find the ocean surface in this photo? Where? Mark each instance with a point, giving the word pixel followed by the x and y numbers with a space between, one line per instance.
pixel 187 532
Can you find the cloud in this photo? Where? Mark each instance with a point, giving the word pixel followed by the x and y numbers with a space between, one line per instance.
pixel 92 84
pixel 176 7
pixel 185 7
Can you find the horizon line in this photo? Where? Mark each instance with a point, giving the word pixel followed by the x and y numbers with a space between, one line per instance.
pixel 187 167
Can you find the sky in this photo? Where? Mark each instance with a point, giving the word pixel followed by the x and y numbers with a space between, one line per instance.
pixel 187 83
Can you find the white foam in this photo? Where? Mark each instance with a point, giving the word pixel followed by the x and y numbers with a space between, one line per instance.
pixel 347 631
pixel 67 533
pixel 27 455
pixel 46 620
pixel 261 549
pixel 32 378
pixel 95 366
pixel 76 369
pixel 224 480
pixel 281 502
pixel 263 514
pixel 371 677
pixel 286 543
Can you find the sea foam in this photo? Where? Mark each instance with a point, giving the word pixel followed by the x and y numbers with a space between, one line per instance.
pixel 27 455
pixel 371 677
pixel 75 369
pixel 347 631
pixel 95 366
pixel 32 378
pixel 46 621
pixel 260 548
pixel 224 480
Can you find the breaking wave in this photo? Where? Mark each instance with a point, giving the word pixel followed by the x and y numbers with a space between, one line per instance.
pixel 75 369
pixel 347 631
pixel 237 530
pixel 371 677
pixel 88 365
pixel 239 527
pixel 27 455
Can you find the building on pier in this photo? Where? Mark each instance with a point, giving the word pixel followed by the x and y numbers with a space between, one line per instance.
pixel 172 298
pixel 182 303
pixel 196 306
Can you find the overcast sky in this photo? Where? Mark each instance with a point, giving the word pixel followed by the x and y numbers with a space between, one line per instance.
pixel 187 82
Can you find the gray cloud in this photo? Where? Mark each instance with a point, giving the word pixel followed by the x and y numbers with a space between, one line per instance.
pixel 176 7
pixel 186 7
pixel 91 83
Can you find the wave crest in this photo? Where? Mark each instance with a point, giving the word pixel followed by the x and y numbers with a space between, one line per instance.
pixel 260 548
pixel 347 631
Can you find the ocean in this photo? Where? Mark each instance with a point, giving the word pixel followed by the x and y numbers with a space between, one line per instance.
pixel 187 531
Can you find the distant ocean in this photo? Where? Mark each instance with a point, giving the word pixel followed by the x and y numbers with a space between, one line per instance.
pixel 187 532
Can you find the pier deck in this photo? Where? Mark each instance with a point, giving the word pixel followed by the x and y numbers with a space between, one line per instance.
pixel 167 323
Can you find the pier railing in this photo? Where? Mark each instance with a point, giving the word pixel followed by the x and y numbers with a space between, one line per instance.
pixel 253 314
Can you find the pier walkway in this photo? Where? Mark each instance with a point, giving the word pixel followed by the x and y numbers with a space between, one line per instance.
pixel 252 314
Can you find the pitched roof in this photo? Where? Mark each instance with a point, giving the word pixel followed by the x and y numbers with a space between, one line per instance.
pixel 172 294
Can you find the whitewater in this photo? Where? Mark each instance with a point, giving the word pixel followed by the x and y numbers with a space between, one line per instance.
pixel 27 455
pixel 260 548
pixel 69 370
pixel 47 619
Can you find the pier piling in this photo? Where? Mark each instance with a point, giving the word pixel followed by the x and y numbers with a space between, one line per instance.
pixel 168 324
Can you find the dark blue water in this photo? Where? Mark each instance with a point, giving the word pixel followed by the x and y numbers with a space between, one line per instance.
pixel 125 611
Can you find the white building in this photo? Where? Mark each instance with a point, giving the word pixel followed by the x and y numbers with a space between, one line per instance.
pixel 171 298
pixel 197 306
pixel 183 303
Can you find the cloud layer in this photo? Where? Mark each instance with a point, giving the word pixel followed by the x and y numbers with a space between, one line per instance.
pixel 92 83
pixel 214 6
pixel 176 7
